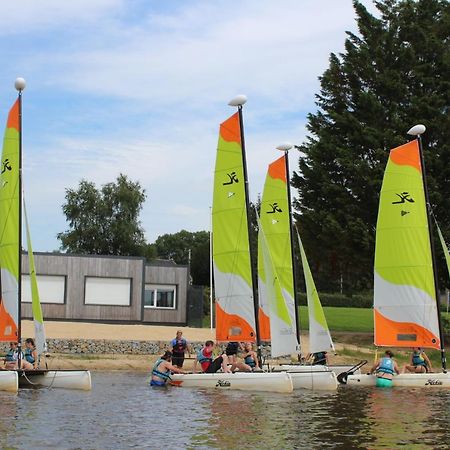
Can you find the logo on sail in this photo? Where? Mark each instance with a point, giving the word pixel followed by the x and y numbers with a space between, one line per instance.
pixel 275 208
pixel 404 197
pixel 232 179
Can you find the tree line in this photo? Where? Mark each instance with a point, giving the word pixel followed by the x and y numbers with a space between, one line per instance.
pixel 393 73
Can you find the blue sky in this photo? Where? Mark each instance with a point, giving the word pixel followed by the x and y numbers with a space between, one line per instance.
pixel 139 87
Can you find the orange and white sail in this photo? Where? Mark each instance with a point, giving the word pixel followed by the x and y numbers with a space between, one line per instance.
pixel 405 306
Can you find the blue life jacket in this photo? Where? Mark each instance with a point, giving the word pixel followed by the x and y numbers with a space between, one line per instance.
pixel 386 366
pixel 29 355
pixel 202 358
pixel 418 359
pixel 320 358
pixel 163 375
pixel 250 361
pixel 11 355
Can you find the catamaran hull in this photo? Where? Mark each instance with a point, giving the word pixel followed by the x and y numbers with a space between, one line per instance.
pixel 307 368
pixel 318 381
pixel 65 379
pixel 436 380
pixel 9 381
pixel 245 381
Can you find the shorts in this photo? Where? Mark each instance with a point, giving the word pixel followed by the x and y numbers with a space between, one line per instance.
pixel 384 382
pixel 157 383
pixel 178 360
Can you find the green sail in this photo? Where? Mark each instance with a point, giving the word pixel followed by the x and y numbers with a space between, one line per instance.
pixel 319 334
pixel 235 315
pixel 405 308
pixel 274 218
pixel 39 332
pixel 9 227
pixel 444 248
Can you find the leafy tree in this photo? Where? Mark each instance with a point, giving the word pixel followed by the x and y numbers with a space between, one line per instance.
pixel 393 74
pixel 177 246
pixel 104 221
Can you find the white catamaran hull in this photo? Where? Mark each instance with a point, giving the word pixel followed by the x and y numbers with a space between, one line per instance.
pixel 308 368
pixel 66 379
pixel 318 381
pixel 405 380
pixel 9 381
pixel 245 381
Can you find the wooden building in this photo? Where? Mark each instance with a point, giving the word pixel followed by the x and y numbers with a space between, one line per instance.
pixel 107 289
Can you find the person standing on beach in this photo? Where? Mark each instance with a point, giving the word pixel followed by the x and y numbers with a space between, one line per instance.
pixel 179 345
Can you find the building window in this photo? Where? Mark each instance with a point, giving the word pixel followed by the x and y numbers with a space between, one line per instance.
pixel 107 291
pixel 52 288
pixel 160 296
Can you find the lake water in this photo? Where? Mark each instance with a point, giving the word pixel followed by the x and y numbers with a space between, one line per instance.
pixel 122 411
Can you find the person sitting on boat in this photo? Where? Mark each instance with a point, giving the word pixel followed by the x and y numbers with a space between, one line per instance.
pixel 419 362
pixel 179 345
pixel 250 356
pixel 320 358
pixel 30 353
pixel 208 363
pixel 231 352
pixel 385 369
pixel 12 358
pixel 162 369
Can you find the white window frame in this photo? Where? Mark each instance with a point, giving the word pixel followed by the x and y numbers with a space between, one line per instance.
pixel 154 288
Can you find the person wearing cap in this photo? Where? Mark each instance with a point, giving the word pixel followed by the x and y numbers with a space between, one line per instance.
pixel 162 369
pixel 178 347
pixel 385 368
pixel 419 362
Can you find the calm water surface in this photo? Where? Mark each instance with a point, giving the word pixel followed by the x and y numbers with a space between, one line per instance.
pixel 123 412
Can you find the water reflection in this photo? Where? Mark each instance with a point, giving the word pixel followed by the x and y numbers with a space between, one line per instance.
pixel 122 411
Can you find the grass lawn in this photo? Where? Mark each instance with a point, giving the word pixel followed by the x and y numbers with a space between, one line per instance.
pixel 353 320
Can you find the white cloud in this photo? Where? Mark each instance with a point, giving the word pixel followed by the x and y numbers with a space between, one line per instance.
pixel 141 91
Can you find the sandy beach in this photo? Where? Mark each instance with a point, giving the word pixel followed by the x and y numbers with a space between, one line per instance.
pixel 81 330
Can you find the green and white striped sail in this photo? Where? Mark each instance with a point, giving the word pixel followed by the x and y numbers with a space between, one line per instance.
pixel 235 315
pixel 39 331
pixel 282 327
pixel 319 334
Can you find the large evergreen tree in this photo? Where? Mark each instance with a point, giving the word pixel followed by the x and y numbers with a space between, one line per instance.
pixel 393 74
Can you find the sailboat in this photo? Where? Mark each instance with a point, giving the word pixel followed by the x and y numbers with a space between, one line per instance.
pixel 10 263
pixel 276 231
pixel 235 287
pixel 406 301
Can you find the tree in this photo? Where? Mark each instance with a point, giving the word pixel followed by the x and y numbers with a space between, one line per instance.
pixel 177 247
pixel 105 221
pixel 394 74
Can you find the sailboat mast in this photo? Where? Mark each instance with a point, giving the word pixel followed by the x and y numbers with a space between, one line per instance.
pixel 20 86
pixel 247 207
pixel 417 131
